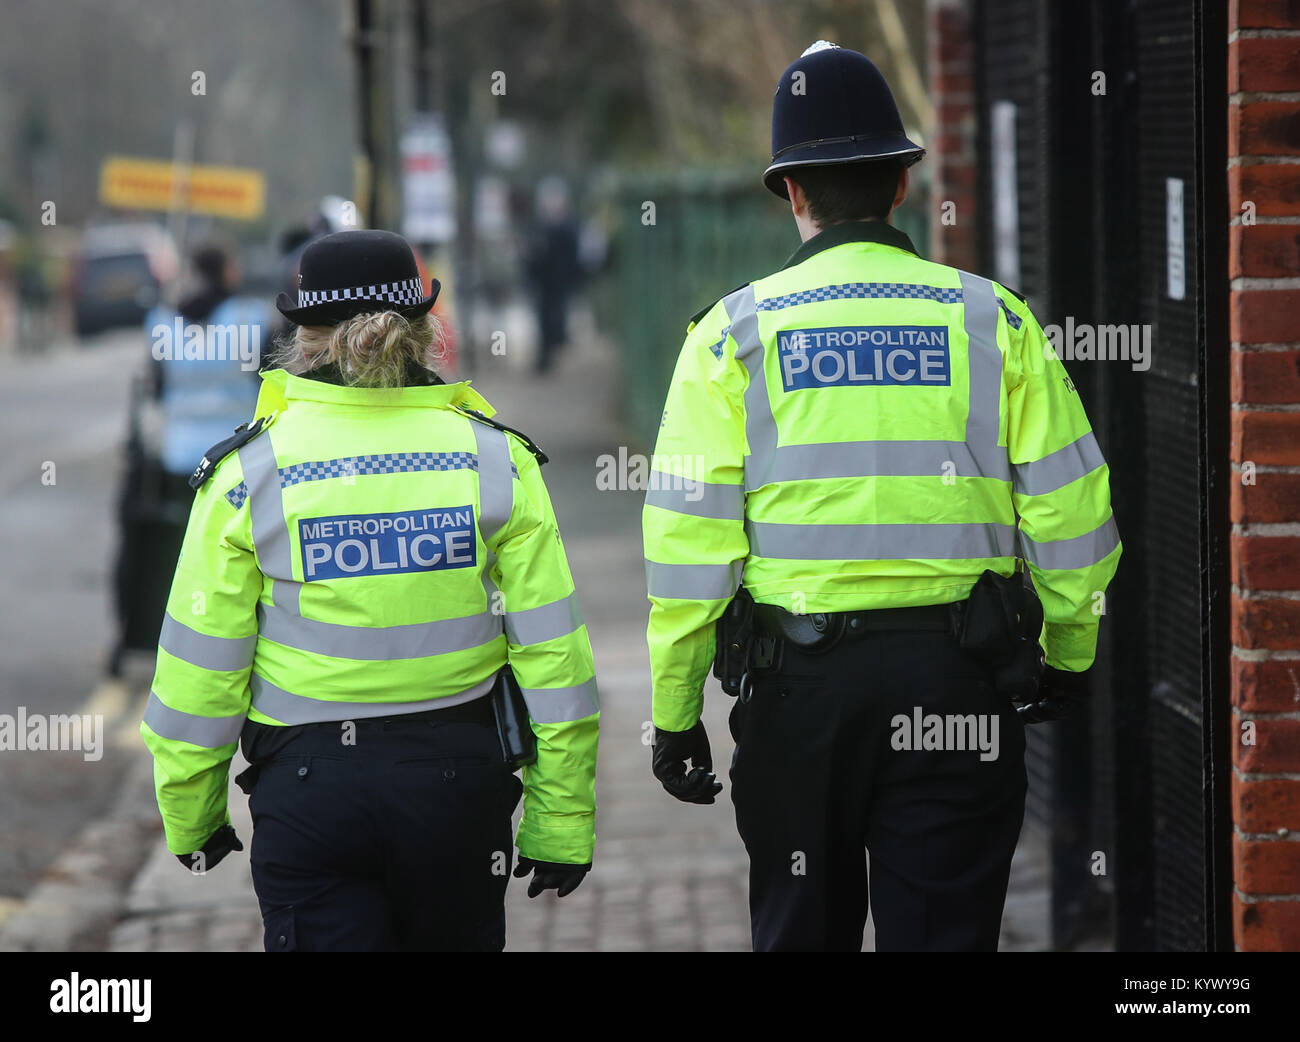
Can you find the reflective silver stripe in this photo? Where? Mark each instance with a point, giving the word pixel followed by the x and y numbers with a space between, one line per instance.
pixel 557 705
pixel 492 594
pixel 760 424
pixel 1058 469
pixel 286 595
pixel 694 497
pixel 861 459
pixel 984 412
pixel 693 582
pixel 496 482
pixel 266 507
pixel 377 643
pixel 545 622
pixel 211 732
pixel 289 708
pixel 199 649
pixel 493 597
pixel 1080 552
pixel 880 542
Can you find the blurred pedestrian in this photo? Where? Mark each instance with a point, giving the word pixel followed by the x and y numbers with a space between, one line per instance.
pixel 886 450
pixel 202 382
pixel 206 354
pixel 553 268
pixel 367 569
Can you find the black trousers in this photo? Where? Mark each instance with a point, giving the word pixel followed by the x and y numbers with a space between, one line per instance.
pixel 552 322
pixel 399 842
pixel 826 770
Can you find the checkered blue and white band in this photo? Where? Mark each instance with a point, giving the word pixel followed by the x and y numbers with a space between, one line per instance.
pixel 406 292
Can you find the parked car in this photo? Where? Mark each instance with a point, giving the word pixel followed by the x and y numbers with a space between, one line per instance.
pixel 119 272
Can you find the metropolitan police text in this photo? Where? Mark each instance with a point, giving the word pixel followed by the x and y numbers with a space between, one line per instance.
pixel 378 544
pixel 843 355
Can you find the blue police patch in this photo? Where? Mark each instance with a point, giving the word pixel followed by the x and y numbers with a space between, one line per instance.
pixel 387 544
pixel 840 356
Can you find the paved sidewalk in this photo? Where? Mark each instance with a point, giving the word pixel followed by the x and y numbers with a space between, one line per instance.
pixel 667 876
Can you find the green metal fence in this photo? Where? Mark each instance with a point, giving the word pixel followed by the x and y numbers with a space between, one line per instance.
pixel 708 232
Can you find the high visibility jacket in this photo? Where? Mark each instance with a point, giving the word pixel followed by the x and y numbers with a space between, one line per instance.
pixel 866 429
pixel 372 552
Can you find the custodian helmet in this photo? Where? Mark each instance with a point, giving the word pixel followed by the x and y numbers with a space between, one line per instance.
pixel 834 106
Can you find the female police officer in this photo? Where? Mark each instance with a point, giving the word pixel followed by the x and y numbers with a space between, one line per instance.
pixel 360 564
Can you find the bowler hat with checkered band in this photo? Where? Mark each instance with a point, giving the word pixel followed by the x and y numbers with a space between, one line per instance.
pixel 355 272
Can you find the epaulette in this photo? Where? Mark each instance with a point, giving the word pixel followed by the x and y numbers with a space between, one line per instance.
pixel 244 433
pixel 709 306
pixel 1015 293
pixel 529 444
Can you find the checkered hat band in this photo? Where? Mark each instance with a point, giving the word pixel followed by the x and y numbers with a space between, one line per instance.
pixel 406 292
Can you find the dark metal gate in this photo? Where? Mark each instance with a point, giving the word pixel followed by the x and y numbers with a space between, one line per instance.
pixel 1113 179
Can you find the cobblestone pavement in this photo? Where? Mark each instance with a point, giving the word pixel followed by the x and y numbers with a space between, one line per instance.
pixel 668 876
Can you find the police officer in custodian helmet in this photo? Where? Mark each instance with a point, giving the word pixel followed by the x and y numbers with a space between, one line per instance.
pixel 902 480
pixel 370 567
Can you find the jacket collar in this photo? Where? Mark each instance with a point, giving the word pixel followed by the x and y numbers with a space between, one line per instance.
pixel 851 231
pixel 279 387
pixel 416 375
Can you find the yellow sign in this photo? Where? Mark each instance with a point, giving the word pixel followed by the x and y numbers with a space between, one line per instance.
pixel 152 184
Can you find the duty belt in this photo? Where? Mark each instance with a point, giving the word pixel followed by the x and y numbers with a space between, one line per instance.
pixel 820 631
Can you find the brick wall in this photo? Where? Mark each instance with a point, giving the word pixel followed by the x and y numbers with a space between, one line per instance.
pixel 951 144
pixel 1264 266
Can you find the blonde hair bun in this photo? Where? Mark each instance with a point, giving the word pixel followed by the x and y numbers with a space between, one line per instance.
pixel 370 350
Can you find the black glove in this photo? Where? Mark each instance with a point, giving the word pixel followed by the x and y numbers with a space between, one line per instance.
pixel 548 875
pixel 219 844
pixel 671 751
pixel 1058 694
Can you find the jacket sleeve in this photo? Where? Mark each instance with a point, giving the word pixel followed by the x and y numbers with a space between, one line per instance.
pixel 693 519
pixel 199 696
pixel 1061 490
pixel 550 654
